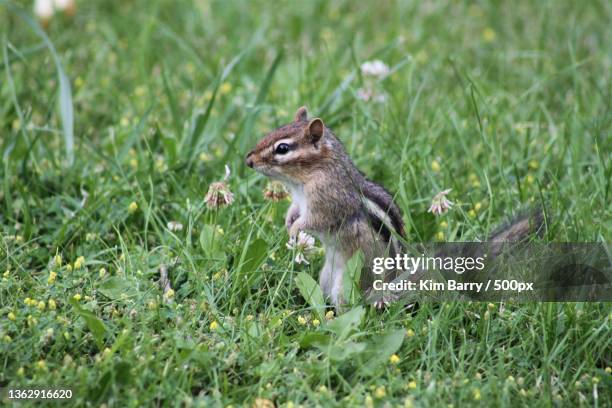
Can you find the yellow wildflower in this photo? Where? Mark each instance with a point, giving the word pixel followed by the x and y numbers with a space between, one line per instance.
pixel 412 385
pixel 329 315
pixel 472 214
pixel 11 316
pixel 133 207
pixel 477 206
pixel 140 91
pixel 534 164
pixel 262 403
pixel 41 364
pixel 444 225
pixel 440 236
pixel 316 322
pixel 102 272
pixel 476 394
pixel 301 320
pixel 31 321
pixel 225 88
pixel 41 305
pixel 169 294
pixel 214 325
pixel 52 277
pixel 160 165
pixel 410 333
pixel 52 304
pixel 77 297
pixel 394 359
pixel 488 34
pixel 380 392
pixel 435 166
pixel 21 371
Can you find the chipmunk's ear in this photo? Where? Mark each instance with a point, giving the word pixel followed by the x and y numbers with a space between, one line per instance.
pixel 315 130
pixel 301 115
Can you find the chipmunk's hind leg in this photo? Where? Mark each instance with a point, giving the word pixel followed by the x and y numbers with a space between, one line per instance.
pixel 325 278
pixel 331 275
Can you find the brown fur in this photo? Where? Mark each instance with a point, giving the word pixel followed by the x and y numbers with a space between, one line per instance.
pixel 335 190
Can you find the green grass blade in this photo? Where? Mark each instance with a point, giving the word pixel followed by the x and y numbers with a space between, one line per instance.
pixel 65 92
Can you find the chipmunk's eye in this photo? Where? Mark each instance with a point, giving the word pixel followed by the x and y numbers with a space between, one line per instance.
pixel 282 148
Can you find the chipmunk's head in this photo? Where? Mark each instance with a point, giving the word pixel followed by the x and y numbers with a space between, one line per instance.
pixel 291 152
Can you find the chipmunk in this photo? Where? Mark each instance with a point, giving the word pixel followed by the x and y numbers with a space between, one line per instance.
pixel 333 200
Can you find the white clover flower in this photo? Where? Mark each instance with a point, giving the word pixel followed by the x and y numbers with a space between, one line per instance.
pixel 275 191
pixel 368 94
pixel 439 203
pixel 64 4
pixel 375 68
pixel 43 9
pixel 303 245
pixel 218 196
pixel 174 226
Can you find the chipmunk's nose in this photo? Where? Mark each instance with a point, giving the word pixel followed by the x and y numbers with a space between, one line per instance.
pixel 249 160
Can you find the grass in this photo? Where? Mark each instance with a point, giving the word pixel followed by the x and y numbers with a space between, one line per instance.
pixel 507 104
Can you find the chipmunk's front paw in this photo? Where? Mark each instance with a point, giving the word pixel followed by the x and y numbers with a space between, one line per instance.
pixel 292 215
pixel 295 228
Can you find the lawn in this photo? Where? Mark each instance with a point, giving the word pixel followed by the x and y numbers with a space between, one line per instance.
pixel 114 124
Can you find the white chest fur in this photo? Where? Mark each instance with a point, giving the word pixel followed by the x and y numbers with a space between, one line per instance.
pixel 298 197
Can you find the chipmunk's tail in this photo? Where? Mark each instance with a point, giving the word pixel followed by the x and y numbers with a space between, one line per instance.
pixel 507 238
pixel 527 224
